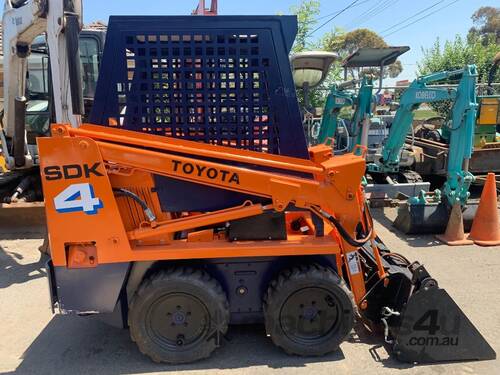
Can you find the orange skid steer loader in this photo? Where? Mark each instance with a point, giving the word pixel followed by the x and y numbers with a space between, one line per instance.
pixel 238 222
pixel 180 278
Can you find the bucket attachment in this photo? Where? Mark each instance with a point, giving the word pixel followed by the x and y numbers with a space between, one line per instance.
pixel 422 322
pixel 434 329
pixel 430 218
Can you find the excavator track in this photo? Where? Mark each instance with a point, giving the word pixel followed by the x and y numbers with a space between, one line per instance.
pixel 409 177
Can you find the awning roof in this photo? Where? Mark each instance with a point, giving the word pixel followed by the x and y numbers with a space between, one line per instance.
pixel 365 57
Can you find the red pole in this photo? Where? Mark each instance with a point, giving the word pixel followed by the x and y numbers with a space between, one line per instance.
pixel 213 8
pixel 201 10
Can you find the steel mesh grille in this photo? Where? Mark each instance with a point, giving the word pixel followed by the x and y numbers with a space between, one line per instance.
pixel 201 87
pixel 224 80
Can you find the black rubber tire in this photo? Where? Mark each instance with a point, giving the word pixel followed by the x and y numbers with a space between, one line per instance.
pixel 149 304
pixel 305 280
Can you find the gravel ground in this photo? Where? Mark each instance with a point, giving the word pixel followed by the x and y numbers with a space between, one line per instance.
pixel 33 341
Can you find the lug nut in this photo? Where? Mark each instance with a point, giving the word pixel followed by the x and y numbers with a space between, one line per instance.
pixel 242 290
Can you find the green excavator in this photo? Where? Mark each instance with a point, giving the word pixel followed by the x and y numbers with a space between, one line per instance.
pixel 429 212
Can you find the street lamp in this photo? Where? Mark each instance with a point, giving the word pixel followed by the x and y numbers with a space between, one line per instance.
pixel 310 69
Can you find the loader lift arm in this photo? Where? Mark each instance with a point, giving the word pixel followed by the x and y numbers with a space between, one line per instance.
pixel 332 191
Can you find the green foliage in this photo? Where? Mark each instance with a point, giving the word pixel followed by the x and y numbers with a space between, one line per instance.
pixel 346 113
pixel 457 54
pixel 398 92
pixel 486 25
pixel 307 12
pixel 361 38
pixel 424 114
pixel 346 44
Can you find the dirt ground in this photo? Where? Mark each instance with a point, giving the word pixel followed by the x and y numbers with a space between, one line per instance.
pixel 34 341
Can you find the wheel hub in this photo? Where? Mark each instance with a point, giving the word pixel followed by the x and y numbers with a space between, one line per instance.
pixel 309 314
pixel 178 317
pixel 178 320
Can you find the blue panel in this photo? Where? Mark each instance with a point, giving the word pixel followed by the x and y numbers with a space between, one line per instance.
pixel 223 80
pixel 90 289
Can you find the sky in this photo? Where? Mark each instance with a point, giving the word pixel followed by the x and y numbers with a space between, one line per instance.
pixel 445 24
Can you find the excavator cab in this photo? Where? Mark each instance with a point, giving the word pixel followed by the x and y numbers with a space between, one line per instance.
pixel 367 129
pixel 39 115
pixel 34 93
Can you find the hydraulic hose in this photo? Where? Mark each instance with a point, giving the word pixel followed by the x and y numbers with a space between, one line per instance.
pixel 72 31
pixel 21 189
pixel 20 105
pixel 343 232
pixel 127 193
pixel 398 257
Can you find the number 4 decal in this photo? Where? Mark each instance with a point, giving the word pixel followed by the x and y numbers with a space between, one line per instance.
pixel 78 197
pixel 432 327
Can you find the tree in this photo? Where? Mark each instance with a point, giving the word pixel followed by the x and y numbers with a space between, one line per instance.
pixel 307 13
pixel 486 25
pixel 455 55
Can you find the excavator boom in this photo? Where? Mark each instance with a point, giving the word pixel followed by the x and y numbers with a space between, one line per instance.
pixel 415 95
pixel 338 98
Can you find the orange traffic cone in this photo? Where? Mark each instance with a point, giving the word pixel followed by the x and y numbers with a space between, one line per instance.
pixel 454 235
pixel 485 229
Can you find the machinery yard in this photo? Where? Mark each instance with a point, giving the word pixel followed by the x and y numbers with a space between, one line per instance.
pixel 33 341
pixel 238 191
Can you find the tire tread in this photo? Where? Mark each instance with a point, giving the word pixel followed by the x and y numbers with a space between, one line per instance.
pixel 296 273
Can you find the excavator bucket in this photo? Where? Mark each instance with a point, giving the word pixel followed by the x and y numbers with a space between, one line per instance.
pixel 429 218
pixel 422 322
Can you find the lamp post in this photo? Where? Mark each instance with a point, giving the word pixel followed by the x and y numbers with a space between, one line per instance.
pixel 310 69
